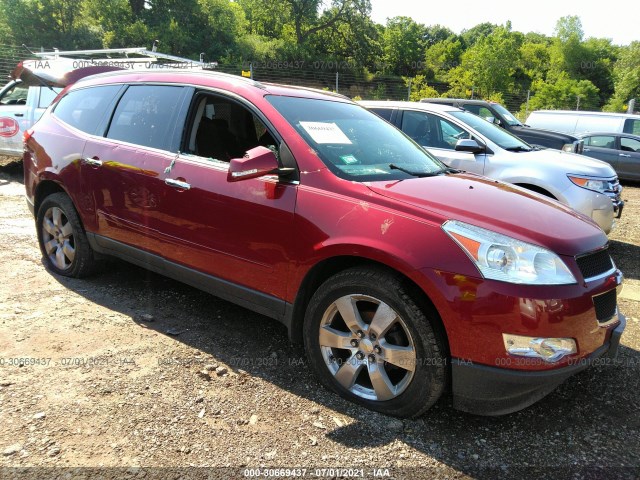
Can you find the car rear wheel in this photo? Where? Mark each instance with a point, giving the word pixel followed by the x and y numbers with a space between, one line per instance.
pixel 62 240
pixel 367 339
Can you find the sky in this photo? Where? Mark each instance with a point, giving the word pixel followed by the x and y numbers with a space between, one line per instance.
pixel 614 19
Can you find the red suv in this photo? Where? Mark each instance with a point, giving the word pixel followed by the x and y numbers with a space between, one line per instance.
pixel 402 278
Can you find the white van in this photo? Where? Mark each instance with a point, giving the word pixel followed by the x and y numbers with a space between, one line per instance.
pixel 575 122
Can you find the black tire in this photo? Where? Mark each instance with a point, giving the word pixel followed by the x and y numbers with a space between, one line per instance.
pixel 63 243
pixel 416 379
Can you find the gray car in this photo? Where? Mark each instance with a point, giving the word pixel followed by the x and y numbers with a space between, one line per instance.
pixel 620 150
pixel 466 141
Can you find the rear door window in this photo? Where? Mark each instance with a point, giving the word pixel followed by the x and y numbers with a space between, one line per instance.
pixel 145 116
pixel 84 109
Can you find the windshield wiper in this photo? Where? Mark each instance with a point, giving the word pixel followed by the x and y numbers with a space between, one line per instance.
pixel 519 148
pixel 393 166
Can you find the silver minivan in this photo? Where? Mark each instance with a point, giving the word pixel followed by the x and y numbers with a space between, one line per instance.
pixel 468 142
pixel 576 122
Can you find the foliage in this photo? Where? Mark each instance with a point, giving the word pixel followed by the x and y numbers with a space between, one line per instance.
pixel 626 76
pixel 420 89
pixel 563 93
pixel 403 45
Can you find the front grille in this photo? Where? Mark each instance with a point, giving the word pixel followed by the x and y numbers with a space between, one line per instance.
pixel 605 305
pixel 594 264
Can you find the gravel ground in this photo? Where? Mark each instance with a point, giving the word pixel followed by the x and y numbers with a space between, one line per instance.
pixel 134 375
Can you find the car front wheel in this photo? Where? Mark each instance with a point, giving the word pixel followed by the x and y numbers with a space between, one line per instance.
pixel 367 339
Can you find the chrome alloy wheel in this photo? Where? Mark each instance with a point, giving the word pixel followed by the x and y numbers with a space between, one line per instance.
pixel 58 239
pixel 367 347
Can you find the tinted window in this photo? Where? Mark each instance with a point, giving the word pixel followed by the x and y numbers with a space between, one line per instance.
pixel 383 113
pixel 354 143
pixel 84 109
pixel 144 114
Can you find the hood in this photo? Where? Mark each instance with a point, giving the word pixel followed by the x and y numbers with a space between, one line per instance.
pixel 569 162
pixel 540 133
pixel 500 207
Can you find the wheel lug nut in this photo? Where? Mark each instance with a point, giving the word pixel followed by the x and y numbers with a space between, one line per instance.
pixel 372 358
pixel 360 356
pixel 354 343
pixel 360 334
pixel 377 349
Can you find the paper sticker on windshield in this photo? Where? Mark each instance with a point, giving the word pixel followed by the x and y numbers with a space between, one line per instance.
pixel 322 132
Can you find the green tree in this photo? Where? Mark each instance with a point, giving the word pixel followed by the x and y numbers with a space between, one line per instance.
pixel 419 88
pixel 480 31
pixel 489 65
pixel 307 22
pixel 626 74
pixel 435 34
pixel 564 93
pixel 443 56
pixel 50 23
pixel 403 45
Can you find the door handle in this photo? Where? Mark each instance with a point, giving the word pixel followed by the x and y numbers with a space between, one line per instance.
pixel 18 114
pixel 624 155
pixel 179 184
pixel 94 162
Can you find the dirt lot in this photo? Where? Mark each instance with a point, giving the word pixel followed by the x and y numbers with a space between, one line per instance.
pixel 129 369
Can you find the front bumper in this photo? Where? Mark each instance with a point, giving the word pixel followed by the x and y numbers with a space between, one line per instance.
pixel 484 390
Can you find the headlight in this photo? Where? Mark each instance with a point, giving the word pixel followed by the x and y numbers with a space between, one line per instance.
pixel 594 184
pixel 503 258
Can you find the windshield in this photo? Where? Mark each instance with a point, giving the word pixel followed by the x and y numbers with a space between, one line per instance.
pixel 511 120
pixel 354 143
pixel 497 135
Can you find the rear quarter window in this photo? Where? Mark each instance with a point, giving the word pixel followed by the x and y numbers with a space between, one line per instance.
pixel 84 109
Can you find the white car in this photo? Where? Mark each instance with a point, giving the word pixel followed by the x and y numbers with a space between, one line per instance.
pixel 467 142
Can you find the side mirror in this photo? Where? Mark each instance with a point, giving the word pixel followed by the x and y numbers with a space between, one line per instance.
pixel 491 119
pixel 256 162
pixel 468 145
